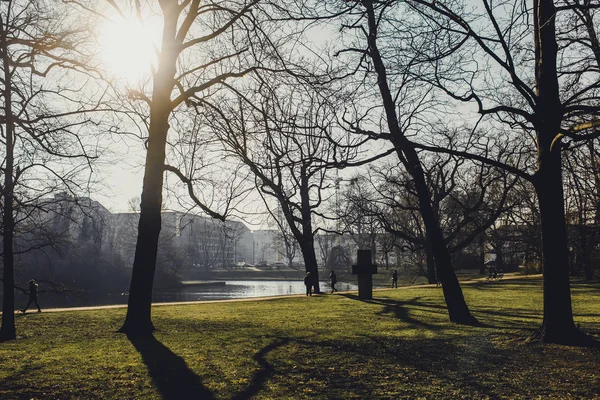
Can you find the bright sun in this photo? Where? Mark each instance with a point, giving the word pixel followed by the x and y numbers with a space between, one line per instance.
pixel 127 49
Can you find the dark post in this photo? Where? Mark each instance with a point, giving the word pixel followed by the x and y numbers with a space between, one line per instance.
pixel 365 269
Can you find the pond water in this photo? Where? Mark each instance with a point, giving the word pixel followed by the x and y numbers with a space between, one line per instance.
pixel 234 289
pixel 199 290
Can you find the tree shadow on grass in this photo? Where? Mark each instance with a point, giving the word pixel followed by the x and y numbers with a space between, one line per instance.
pixel 403 311
pixel 266 370
pixel 169 372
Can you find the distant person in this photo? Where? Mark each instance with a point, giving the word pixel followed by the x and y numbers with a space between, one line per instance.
pixel 33 296
pixel 333 280
pixel 492 272
pixel 395 279
pixel 308 282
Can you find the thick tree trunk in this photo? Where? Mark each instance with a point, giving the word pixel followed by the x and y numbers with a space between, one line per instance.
pixel 8 331
pixel 310 262
pixel 431 273
pixel 558 325
pixel 500 256
pixel 458 310
pixel 138 320
pixel 307 242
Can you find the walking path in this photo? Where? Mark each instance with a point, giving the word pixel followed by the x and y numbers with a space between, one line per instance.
pixel 471 281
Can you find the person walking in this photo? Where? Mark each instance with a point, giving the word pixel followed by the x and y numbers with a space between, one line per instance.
pixel 395 279
pixel 308 283
pixel 33 296
pixel 333 280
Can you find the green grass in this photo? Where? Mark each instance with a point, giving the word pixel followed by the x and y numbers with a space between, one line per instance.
pixel 400 345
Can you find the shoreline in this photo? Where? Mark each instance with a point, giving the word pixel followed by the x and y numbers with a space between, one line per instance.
pixel 266 298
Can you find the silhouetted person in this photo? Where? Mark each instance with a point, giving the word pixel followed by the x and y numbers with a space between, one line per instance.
pixel 333 280
pixel 308 282
pixel 395 279
pixel 33 296
pixel 492 272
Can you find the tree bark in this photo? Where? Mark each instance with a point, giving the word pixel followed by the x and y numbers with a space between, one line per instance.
pixel 138 320
pixel 431 273
pixel 458 310
pixel 307 242
pixel 8 330
pixel 499 256
pixel 310 262
pixel 558 325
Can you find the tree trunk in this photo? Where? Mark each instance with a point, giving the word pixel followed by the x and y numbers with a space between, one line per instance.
pixel 500 256
pixel 307 242
pixel 579 262
pixel 482 270
pixel 8 331
pixel 589 271
pixel 310 262
pixel 431 273
pixel 138 320
pixel 458 310
pixel 587 252
pixel 558 325
pixel 457 307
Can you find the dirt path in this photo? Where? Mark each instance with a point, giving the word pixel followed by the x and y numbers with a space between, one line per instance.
pixel 471 281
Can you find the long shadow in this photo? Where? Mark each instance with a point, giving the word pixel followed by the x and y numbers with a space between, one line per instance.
pixel 402 310
pixel 168 371
pixel 258 380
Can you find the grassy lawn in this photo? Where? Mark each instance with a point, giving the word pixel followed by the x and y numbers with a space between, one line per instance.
pixel 400 345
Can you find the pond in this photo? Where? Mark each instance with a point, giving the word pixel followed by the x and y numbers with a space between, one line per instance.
pixel 192 291
pixel 238 289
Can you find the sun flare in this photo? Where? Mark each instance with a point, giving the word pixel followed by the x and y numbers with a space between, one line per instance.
pixel 127 49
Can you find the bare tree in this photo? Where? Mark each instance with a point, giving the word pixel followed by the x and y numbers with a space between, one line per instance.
pixel 384 100
pixel 203 44
pixel 285 244
pixel 466 197
pixel 44 120
pixel 582 195
pixel 549 91
pixel 282 133
pixel 326 242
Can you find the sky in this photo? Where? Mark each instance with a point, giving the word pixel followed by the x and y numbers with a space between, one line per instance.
pixel 122 183
pixel 127 52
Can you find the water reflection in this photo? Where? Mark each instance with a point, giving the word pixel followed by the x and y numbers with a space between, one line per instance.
pixel 234 289
pixel 202 290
